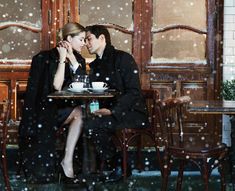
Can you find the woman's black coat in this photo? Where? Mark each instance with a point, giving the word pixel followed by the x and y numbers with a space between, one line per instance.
pixel 37 130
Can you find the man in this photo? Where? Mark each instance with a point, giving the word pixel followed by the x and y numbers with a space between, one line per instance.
pixel 126 110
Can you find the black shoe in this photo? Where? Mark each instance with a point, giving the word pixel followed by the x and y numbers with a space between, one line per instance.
pixel 67 180
pixel 71 181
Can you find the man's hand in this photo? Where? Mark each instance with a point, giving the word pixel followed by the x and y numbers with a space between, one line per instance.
pixel 102 111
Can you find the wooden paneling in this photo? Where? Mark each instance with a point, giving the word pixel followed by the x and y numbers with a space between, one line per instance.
pixel 4 89
pixel 13 84
pixel 166 89
pixel 176 68
pixel 13 81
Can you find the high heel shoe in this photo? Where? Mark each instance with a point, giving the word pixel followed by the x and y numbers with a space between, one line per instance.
pixel 67 180
pixel 66 174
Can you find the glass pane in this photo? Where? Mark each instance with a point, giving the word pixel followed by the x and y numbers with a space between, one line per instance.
pixel 121 40
pixel 179 12
pixel 118 12
pixel 195 90
pixel 179 45
pixel 21 10
pixel 17 43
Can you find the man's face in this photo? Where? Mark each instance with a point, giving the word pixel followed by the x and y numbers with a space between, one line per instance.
pixel 93 44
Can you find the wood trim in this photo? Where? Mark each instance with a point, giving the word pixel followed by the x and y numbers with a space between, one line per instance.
pixel 65 11
pixel 60 14
pixel 146 39
pixel 211 32
pixel 53 25
pixel 118 27
pixel 219 48
pixel 136 44
pixel 173 68
pixel 74 13
pixel 45 24
pixel 185 27
pixel 15 68
pixel 28 26
pixel 146 45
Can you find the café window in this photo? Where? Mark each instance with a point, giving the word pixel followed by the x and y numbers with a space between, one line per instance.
pixel 20 29
pixel 177 34
pixel 117 14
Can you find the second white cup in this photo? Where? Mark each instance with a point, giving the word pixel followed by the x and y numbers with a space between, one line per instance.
pixel 98 85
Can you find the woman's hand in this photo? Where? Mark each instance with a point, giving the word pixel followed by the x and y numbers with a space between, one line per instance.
pixel 69 52
pixel 62 53
pixel 102 111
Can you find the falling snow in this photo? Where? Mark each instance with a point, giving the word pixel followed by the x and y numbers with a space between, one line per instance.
pixel 17 43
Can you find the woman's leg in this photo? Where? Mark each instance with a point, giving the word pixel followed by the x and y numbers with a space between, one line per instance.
pixel 75 127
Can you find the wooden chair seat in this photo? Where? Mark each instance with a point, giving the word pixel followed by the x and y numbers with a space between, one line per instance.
pixel 197 151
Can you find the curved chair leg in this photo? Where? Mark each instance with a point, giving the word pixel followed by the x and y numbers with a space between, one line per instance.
pixel 205 174
pixel 222 175
pixel 139 153
pixel 159 158
pixel 166 173
pixel 4 165
pixel 180 175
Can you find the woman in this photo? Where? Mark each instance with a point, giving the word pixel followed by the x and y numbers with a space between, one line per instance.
pixel 51 71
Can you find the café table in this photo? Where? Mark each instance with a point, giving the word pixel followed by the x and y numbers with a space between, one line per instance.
pixel 218 107
pixel 86 97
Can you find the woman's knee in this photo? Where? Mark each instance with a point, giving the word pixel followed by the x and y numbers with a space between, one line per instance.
pixel 77 113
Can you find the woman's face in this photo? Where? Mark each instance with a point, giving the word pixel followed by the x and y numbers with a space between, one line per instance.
pixel 77 42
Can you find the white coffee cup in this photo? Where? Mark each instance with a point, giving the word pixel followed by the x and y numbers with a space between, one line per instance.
pixel 98 85
pixel 77 86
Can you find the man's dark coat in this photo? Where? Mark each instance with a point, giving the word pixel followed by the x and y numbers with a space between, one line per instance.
pixel 119 70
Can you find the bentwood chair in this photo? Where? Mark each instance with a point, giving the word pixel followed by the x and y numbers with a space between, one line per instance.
pixel 134 136
pixel 206 156
pixel 4 118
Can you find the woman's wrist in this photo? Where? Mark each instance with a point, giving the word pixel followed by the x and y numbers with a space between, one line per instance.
pixel 72 58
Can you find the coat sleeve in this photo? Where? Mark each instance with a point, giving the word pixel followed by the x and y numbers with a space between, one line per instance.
pixel 130 97
pixel 30 100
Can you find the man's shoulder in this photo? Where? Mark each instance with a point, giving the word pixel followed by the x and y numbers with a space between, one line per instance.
pixel 123 55
pixel 122 52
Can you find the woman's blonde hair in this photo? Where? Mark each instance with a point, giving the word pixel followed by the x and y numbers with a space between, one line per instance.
pixel 72 29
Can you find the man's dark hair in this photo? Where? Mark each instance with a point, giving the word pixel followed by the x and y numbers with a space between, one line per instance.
pixel 98 30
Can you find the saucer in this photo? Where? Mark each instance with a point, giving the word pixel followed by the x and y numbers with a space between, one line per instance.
pixel 98 90
pixel 76 90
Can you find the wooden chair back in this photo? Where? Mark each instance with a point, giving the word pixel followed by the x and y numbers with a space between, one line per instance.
pixel 170 119
pixel 151 96
pixel 4 119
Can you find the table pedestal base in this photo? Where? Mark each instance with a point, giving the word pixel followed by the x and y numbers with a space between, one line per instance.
pixel 89 157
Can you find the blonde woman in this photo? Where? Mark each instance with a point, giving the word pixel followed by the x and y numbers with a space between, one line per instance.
pixel 51 71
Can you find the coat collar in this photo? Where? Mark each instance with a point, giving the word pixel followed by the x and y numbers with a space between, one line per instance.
pixel 109 49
